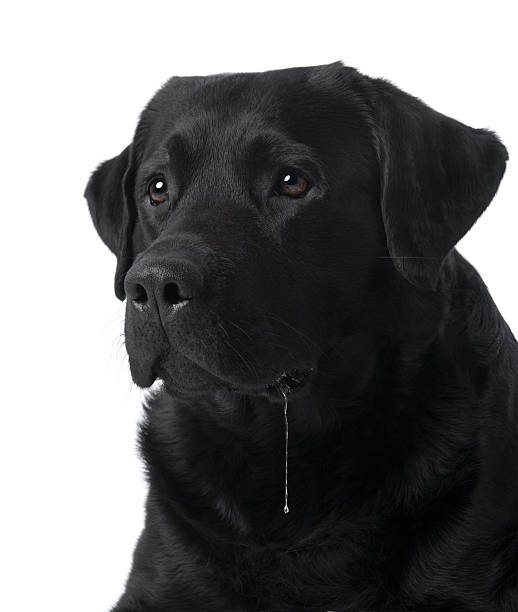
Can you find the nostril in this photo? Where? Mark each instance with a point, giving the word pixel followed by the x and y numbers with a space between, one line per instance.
pixel 139 295
pixel 172 294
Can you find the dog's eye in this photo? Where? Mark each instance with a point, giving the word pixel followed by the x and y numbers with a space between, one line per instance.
pixel 158 191
pixel 292 184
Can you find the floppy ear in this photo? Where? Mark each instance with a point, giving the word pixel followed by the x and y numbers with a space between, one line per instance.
pixel 109 194
pixel 437 177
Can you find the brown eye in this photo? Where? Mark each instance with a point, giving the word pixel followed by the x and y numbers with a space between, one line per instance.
pixel 292 184
pixel 158 191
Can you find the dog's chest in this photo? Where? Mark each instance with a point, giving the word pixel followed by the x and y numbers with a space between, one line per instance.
pixel 320 579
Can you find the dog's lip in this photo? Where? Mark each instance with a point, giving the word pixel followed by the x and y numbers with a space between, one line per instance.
pixel 289 381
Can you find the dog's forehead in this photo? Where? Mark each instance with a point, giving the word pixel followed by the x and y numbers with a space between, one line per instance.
pixel 234 92
pixel 299 102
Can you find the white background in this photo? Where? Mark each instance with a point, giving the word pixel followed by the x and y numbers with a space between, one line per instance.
pixel 75 77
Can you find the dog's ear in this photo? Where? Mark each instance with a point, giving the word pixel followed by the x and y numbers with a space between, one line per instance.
pixel 437 177
pixel 110 195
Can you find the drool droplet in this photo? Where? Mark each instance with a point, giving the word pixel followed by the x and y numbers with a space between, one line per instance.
pixel 285 395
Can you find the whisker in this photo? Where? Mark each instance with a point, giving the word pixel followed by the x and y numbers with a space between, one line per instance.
pixel 115 319
pixel 248 364
pixel 309 341
pixel 402 257
pixel 305 337
pixel 240 329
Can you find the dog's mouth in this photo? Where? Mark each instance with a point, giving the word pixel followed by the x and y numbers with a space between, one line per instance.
pixel 291 381
pixel 288 382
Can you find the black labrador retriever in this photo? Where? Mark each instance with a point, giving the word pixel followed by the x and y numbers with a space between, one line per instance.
pixel 336 427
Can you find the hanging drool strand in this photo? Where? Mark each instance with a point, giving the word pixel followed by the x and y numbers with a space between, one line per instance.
pixel 285 395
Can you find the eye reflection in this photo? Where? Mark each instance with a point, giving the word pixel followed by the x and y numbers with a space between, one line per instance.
pixel 158 191
pixel 292 184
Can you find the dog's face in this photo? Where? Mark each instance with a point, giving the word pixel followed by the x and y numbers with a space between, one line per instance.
pixel 255 218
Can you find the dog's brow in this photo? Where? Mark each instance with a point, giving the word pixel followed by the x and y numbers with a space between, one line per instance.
pixel 283 151
pixel 177 145
pixel 159 161
pixel 279 145
pixel 175 148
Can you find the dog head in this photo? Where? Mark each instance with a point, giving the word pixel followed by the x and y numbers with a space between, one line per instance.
pixel 256 217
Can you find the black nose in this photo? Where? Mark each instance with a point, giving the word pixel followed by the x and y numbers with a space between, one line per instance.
pixel 167 285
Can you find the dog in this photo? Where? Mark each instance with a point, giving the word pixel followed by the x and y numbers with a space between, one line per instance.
pixel 334 425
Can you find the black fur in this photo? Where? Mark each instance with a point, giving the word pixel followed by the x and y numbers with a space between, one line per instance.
pixel 403 447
